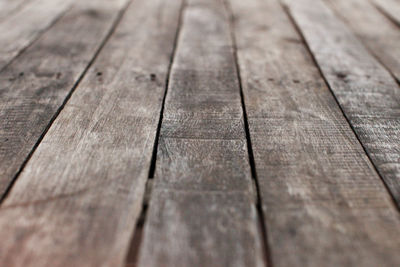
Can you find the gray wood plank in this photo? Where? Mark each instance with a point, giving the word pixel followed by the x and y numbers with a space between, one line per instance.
pixel 323 202
pixel 367 93
pixel 202 208
pixel 379 34
pixel 391 8
pixel 21 29
pixel 34 87
pixel 10 7
pixel 78 198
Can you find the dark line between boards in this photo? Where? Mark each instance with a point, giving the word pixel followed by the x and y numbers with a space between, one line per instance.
pixel 37 38
pixel 175 45
pixel 260 213
pixel 386 14
pixel 359 38
pixel 297 28
pixel 135 244
pixel 76 84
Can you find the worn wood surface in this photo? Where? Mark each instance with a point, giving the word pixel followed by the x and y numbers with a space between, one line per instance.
pixel 323 202
pixel 35 86
pixel 10 7
pixel 77 200
pixel 367 93
pixel 202 210
pixel 390 8
pixel 18 31
pixel 153 133
pixel 380 35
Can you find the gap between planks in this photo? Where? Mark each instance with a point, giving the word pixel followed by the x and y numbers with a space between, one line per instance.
pixel 389 12
pixel 6 60
pixel 76 84
pixel 139 79
pixel 260 213
pixel 132 257
pixel 374 29
pixel 297 28
pixel 199 147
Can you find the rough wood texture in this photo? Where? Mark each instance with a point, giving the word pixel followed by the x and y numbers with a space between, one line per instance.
pixel 77 200
pixel 202 210
pixel 379 34
pixel 20 30
pixel 367 93
pixel 323 202
pixel 391 8
pixel 34 86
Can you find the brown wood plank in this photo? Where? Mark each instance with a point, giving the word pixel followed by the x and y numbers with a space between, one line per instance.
pixel 20 30
pixel 379 34
pixel 323 202
pixel 78 198
pixel 34 87
pixel 202 208
pixel 390 8
pixel 367 93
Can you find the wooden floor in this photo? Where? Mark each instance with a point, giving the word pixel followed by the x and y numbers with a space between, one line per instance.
pixel 200 133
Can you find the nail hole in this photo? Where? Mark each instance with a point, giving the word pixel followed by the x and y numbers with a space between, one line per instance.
pixel 341 75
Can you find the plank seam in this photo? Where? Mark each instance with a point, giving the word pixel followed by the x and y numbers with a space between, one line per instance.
pixel 370 51
pixel 76 84
pixel 155 147
pixel 387 15
pixel 40 34
pixel 252 163
pixel 297 28
pixel 136 240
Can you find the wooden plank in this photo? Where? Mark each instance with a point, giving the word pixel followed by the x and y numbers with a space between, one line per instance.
pixel 202 210
pixel 323 202
pixel 390 8
pixel 20 30
pixel 380 35
pixel 35 86
pixel 78 198
pixel 367 93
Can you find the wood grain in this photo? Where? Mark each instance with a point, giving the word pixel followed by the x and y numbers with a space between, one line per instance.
pixel 21 29
pixel 323 202
pixel 367 93
pixel 380 35
pixel 202 210
pixel 77 200
pixel 390 8
pixel 34 87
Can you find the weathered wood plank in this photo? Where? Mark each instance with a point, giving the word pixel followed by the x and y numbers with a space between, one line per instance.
pixel 34 87
pixel 380 35
pixel 78 198
pixel 323 202
pixel 391 8
pixel 9 7
pixel 20 30
pixel 202 210
pixel 367 93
